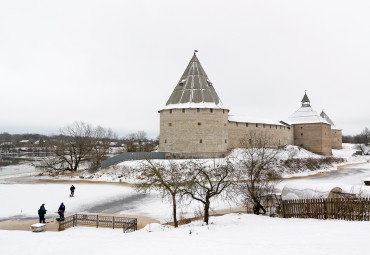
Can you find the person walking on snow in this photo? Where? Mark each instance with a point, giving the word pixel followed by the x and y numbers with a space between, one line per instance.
pixel 72 191
pixel 61 210
pixel 42 212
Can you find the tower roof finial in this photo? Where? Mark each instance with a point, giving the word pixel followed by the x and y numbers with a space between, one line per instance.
pixel 305 101
pixel 195 52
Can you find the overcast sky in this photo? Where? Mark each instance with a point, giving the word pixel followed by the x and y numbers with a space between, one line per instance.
pixel 115 63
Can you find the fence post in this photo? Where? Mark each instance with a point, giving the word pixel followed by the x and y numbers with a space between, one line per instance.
pixel 97 221
pixel 113 222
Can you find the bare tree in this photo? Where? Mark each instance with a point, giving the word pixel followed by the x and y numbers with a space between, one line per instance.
pixel 130 142
pixel 103 138
pixel 165 178
pixel 205 182
pixel 141 138
pixel 78 143
pixel 256 164
pixel 366 135
pixel 136 141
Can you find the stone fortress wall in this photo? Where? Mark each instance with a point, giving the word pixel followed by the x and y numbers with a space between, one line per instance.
pixel 336 139
pixel 278 134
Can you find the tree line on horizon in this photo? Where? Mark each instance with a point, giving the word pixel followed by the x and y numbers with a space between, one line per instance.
pixel 33 142
pixel 362 138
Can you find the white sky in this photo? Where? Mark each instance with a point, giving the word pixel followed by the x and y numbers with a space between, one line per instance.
pixel 115 63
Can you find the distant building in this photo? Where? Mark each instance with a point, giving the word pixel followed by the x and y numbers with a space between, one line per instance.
pixel 195 124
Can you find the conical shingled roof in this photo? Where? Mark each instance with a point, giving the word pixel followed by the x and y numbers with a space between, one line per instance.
pixel 326 117
pixel 194 89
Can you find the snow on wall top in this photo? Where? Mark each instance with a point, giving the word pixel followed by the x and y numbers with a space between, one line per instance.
pixel 305 115
pixel 194 89
pixel 193 105
pixel 248 119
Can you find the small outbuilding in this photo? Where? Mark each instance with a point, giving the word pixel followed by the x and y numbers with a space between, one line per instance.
pixel 367 181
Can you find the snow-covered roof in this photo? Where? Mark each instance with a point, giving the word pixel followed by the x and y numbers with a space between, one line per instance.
pixel 194 89
pixel 305 115
pixel 24 141
pixel 248 119
pixel 326 117
pixel 7 143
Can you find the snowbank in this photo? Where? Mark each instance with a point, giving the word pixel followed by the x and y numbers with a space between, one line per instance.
pixel 229 234
pixel 311 190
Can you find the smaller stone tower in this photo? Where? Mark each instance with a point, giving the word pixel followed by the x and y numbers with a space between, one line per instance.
pixel 336 134
pixel 311 131
pixel 193 123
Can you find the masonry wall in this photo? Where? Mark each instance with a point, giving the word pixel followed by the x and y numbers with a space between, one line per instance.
pixel 314 137
pixel 279 134
pixel 195 132
pixel 336 139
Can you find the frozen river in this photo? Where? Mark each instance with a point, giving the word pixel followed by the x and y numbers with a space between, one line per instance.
pixel 353 176
pixel 22 200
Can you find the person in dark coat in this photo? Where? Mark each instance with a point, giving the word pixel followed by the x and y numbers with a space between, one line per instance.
pixel 72 191
pixel 61 210
pixel 42 212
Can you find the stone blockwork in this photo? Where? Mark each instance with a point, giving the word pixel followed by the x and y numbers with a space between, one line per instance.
pixel 315 137
pixel 279 134
pixel 336 139
pixel 194 131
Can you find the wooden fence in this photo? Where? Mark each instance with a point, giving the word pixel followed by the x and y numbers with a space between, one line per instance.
pixel 127 224
pixel 331 208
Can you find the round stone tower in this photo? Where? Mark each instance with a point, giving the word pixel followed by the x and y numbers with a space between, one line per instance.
pixel 194 123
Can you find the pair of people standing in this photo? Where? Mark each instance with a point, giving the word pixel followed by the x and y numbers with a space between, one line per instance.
pixel 42 211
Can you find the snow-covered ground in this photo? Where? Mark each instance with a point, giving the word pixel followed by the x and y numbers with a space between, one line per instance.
pixel 17 170
pixel 233 233
pixel 23 200
pixel 229 234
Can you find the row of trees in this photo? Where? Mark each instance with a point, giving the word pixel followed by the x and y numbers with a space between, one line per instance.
pixel 362 138
pixel 11 143
pixel 250 175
